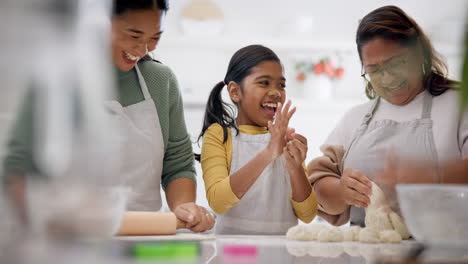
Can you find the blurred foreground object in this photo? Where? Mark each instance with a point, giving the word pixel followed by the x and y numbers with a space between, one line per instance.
pixel 436 214
pixel 58 51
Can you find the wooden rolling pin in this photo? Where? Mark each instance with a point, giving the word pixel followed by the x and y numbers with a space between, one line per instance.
pixel 149 223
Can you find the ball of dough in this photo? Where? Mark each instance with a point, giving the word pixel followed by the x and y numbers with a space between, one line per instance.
pixel 369 235
pixel 389 236
pixel 313 230
pixel 399 225
pixel 333 234
pixel 377 198
pixel 351 233
pixel 378 219
pixel 297 232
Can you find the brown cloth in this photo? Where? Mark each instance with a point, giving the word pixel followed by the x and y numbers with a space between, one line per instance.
pixel 328 165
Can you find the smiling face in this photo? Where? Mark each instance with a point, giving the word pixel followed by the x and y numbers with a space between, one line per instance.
pixel 261 91
pixel 395 72
pixel 134 34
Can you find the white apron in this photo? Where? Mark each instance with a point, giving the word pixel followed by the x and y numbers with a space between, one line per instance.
pixel 265 209
pixel 366 151
pixel 142 150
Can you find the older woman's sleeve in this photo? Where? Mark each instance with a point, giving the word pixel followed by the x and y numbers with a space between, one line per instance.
pixel 178 157
pixel 19 148
pixel 328 165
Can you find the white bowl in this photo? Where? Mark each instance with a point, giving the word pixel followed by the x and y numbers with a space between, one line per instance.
pixel 436 214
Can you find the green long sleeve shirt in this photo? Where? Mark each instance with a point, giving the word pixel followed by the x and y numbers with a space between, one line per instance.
pixel 164 90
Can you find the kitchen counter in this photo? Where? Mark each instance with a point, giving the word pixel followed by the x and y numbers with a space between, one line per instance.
pixel 277 249
pixel 222 249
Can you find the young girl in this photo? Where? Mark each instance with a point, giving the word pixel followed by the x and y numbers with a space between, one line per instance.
pixel 249 183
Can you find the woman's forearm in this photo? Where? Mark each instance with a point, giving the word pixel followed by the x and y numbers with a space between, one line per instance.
pixel 15 191
pixel 329 195
pixel 455 172
pixel 180 191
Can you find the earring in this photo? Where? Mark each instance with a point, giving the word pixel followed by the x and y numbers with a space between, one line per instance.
pixel 423 69
pixel 370 92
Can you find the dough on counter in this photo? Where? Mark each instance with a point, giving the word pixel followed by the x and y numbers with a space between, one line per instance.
pixel 333 234
pixel 389 236
pixel 399 225
pixel 377 199
pixel 378 219
pixel 369 235
pixel 351 233
pixel 305 232
pixel 297 232
pixel 314 229
pixel 380 216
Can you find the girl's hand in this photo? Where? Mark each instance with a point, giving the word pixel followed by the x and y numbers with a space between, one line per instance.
pixel 355 188
pixel 278 129
pixel 295 151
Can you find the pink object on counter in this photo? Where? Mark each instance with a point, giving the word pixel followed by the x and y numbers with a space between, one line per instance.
pixel 234 254
pixel 240 250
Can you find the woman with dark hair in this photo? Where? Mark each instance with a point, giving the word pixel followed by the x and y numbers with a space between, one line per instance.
pixel 413 113
pixel 253 166
pixel 158 149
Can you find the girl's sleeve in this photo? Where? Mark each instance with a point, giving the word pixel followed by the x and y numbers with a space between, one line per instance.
pixel 307 209
pixel 178 157
pixel 215 161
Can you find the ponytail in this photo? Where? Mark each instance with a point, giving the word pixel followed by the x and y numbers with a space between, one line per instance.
pixel 218 111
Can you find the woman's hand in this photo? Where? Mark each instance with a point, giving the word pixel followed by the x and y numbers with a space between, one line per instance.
pixel 355 188
pixel 278 129
pixel 196 218
pixel 295 151
pixel 401 170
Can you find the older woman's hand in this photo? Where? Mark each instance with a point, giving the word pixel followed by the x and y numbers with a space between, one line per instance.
pixel 401 170
pixel 197 218
pixel 355 188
